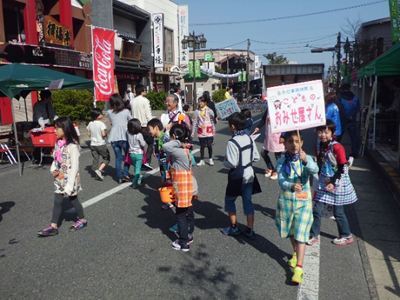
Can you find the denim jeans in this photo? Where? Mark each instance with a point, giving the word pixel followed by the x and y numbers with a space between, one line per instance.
pixel 248 208
pixel 341 220
pixel 120 150
pixel 352 128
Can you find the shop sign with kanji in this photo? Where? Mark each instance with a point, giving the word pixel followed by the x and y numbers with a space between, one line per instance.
pixel 296 106
pixel 56 33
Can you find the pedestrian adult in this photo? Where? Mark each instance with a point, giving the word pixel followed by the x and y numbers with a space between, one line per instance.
pixel 141 110
pixel 172 113
pixel 211 105
pixel 177 91
pixel 229 93
pixel 349 107
pixel 119 117
pixel 43 113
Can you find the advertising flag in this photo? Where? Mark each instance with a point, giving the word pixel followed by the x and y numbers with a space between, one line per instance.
pixel 103 63
pixel 395 19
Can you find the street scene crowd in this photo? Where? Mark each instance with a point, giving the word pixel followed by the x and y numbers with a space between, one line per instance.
pixel 307 186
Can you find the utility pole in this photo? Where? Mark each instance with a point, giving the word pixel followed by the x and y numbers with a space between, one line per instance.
pixel 227 71
pixel 247 68
pixel 338 57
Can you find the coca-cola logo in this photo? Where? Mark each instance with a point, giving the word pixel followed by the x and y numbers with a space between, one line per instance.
pixel 102 53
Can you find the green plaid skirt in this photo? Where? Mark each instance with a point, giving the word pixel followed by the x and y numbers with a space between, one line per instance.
pixel 294 218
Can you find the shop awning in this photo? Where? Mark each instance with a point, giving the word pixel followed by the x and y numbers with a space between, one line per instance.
pixel 388 64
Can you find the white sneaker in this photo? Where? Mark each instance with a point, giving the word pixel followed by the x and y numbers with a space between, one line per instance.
pixel 211 162
pixel 350 161
pixel 274 176
pixel 201 163
pixel 268 173
pixel 99 174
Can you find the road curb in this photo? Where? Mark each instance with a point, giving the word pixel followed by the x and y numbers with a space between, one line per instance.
pixel 390 176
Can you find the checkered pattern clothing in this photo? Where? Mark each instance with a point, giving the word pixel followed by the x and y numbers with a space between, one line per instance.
pixel 342 195
pixel 344 192
pixel 183 184
pixel 294 217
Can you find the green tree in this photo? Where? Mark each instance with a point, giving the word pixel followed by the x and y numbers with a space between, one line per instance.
pixel 218 96
pixel 75 104
pixel 219 70
pixel 274 59
pixel 157 100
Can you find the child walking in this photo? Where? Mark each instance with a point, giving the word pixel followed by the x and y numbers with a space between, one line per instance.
pixel 136 144
pixel 65 169
pixel 273 142
pixel 249 120
pixel 334 185
pixel 182 179
pixel 294 211
pixel 204 124
pixel 97 133
pixel 241 151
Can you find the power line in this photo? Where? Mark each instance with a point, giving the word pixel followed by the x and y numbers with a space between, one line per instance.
pixel 235 44
pixel 291 42
pixel 288 17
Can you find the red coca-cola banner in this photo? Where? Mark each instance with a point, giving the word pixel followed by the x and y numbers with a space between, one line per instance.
pixel 103 63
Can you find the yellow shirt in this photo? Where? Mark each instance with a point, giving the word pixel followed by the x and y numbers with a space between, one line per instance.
pixel 227 96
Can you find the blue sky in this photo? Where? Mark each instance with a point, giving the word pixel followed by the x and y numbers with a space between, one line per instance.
pixel 287 36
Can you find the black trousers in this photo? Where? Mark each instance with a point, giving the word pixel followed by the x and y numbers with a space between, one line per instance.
pixel 185 218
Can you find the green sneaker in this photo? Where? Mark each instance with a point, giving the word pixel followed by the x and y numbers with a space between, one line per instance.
pixel 230 231
pixel 293 261
pixel 298 275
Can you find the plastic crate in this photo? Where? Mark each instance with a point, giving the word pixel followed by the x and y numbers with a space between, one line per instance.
pixel 44 138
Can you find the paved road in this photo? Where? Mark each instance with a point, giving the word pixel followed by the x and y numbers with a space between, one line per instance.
pixel 125 251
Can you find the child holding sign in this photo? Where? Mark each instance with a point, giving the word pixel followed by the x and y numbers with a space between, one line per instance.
pixel 294 212
pixel 334 186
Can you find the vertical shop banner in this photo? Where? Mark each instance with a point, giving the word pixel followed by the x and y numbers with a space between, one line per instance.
pixel 183 15
pixel 197 68
pixel 191 69
pixel 158 25
pixel 103 63
pixel 296 106
pixel 395 19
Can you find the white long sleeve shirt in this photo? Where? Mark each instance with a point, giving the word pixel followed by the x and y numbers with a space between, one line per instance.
pixel 141 110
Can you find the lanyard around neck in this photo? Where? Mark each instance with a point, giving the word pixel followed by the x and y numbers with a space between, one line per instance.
pixel 297 174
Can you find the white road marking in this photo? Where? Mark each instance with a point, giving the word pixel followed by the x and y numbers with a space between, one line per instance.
pixel 308 290
pixel 120 187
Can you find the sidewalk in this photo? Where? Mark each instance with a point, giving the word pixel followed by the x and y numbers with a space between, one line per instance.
pixel 377 222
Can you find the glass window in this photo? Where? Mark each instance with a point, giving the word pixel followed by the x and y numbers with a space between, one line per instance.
pixel 169 46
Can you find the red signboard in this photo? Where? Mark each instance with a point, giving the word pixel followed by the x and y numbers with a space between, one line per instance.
pixel 103 63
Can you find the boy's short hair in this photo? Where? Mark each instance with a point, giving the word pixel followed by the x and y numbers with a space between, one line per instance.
pixel 186 108
pixel 156 123
pixel 246 112
pixel 238 120
pixel 289 134
pixel 95 113
pixel 330 125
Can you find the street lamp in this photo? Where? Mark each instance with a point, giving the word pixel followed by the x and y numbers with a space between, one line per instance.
pixel 196 42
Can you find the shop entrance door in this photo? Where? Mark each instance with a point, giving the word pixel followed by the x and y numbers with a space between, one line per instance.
pixel 189 94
